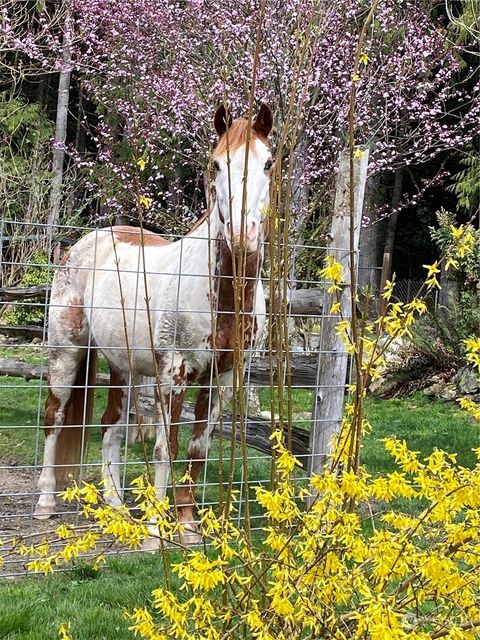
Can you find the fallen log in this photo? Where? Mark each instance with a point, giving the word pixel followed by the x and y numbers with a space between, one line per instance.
pixel 303 368
pixel 10 294
pixel 258 430
pixel 21 369
pixel 28 331
pixel 28 371
pixel 306 302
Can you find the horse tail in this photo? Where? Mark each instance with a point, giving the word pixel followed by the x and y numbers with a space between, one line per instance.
pixel 73 438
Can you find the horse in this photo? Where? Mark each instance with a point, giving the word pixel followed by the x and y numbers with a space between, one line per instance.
pixel 146 304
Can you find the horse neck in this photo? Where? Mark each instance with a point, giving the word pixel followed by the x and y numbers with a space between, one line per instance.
pixel 246 278
pixel 219 257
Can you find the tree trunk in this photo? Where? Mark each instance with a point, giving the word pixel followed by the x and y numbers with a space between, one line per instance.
pixel 371 243
pixel 333 357
pixel 299 199
pixel 42 93
pixel 448 295
pixel 80 142
pixel 60 127
pixel 390 236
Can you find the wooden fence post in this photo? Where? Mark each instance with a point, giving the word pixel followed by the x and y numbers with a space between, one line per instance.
pixel 333 359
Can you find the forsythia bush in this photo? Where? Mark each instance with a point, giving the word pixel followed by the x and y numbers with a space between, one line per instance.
pixel 321 571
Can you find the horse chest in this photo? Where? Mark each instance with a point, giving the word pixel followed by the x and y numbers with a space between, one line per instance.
pixel 196 340
pixel 222 346
pixel 232 339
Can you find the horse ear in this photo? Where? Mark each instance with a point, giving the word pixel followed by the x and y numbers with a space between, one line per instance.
pixel 264 121
pixel 223 120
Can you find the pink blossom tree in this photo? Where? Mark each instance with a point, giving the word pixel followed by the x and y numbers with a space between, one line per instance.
pixel 156 69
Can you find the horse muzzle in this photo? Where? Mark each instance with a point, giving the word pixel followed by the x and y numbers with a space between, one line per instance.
pixel 243 240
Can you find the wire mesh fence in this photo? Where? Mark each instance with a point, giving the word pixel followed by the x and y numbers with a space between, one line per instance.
pixel 407 290
pixel 141 310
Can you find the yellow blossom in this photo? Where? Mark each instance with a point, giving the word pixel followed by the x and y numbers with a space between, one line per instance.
pixel 333 271
pixel 388 288
pixel 71 493
pixel 431 279
pixel 200 572
pixel 364 59
pixel 64 631
pixel 145 201
pixel 471 407
pixel 472 347
pixel 64 531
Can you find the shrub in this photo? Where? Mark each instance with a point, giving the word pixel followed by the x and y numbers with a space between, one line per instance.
pixel 31 312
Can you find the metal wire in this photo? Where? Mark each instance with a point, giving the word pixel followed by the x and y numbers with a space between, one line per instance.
pixel 22 402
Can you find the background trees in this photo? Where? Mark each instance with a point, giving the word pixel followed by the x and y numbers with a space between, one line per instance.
pixel 146 76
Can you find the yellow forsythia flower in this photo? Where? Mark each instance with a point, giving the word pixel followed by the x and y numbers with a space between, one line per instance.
pixel 143 201
pixel 64 631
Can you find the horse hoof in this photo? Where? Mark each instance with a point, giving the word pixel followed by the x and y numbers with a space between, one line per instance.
pixel 150 545
pixel 190 537
pixel 43 512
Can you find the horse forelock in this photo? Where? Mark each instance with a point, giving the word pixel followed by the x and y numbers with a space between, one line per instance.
pixel 236 136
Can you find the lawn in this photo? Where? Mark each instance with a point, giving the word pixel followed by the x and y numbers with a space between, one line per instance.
pixel 34 608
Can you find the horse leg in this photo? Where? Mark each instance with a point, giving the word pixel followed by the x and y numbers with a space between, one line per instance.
pixel 207 414
pixel 168 411
pixel 114 421
pixel 63 368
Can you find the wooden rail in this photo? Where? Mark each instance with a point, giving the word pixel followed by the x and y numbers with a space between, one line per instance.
pixel 302 302
pixel 304 370
pixel 10 294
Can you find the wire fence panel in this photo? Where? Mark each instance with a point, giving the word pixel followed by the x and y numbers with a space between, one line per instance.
pixel 119 315
pixel 408 290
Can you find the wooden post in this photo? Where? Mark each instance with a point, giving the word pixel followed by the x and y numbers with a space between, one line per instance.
pixel 332 366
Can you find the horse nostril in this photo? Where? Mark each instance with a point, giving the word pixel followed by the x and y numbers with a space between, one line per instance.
pixel 228 227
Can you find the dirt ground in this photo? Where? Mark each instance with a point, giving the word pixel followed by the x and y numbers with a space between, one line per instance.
pixel 16 521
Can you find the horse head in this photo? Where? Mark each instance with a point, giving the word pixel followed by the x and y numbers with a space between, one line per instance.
pixel 242 185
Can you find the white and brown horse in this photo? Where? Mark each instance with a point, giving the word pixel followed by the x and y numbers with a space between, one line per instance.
pixel 98 301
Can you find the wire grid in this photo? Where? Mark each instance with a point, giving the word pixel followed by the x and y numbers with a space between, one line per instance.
pixel 407 290
pixel 22 400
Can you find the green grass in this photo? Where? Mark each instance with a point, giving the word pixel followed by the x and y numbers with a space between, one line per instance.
pixel 20 437
pixel 424 424
pixel 33 608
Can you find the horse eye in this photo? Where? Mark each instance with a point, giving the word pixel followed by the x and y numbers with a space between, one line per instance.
pixel 216 166
pixel 268 165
